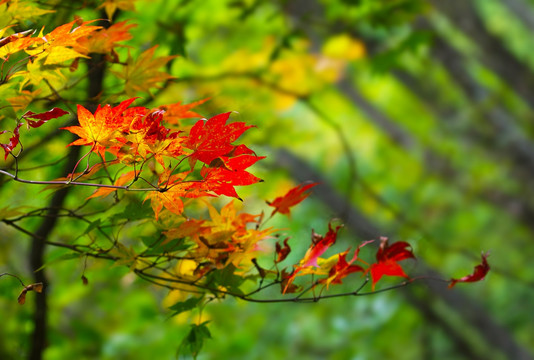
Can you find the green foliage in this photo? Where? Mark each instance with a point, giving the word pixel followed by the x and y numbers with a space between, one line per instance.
pixel 194 340
pixel 437 158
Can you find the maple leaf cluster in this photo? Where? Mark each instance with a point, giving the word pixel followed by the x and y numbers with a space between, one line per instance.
pixel 50 57
pixel 136 135
pixel 229 238
pixel 337 267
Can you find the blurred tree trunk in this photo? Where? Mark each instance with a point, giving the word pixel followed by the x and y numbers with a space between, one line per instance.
pixel 42 234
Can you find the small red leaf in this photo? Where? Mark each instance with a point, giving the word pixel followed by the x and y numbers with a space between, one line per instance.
pixel 282 252
pixel 43 117
pixel 13 141
pixel 387 260
pixel 478 274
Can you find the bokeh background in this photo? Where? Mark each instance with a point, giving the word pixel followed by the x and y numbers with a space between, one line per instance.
pixel 416 117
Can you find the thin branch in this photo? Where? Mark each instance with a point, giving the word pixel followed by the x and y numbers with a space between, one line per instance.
pixel 76 183
pixel 15 276
pixel 162 281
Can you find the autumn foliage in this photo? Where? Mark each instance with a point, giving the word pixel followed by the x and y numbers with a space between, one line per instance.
pixel 174 165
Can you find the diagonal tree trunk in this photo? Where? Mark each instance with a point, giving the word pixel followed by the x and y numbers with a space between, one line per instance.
pixel 494 54
pixel 523 11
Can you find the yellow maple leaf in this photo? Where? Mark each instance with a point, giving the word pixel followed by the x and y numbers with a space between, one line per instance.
pixel 16 42
pixel 66 37
pixel 60 54
pixel 19 10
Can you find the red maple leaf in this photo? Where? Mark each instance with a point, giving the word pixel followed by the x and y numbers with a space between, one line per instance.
pixel 227 174
pixel 291 198
pixel 213 138
pixel 147 135
pixel 478 274
pixel 43 117
pixel 387 260
pixel 341 269
pixel 13 141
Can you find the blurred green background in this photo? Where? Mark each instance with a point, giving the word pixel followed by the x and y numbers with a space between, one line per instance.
pixel 416 117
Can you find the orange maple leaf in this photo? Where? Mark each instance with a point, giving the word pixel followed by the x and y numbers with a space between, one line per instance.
pixel 104 41
pixel 291 198
pixel 230 239
pixel 177 111
pixel 101 129
pixel 172 189
pixel 17 42
pixel 66 42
